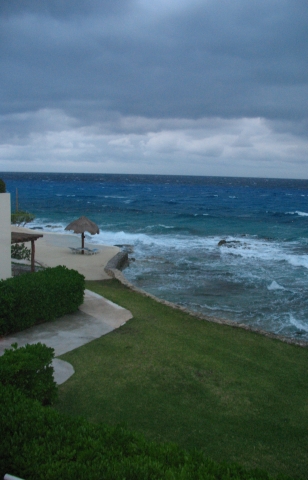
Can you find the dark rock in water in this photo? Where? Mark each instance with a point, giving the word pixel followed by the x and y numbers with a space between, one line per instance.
pixel 126 247
pixel 229 243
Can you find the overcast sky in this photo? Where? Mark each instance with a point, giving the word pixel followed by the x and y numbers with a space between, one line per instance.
pixel 193 87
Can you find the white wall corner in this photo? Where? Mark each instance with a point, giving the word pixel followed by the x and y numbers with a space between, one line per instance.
pixel 5 236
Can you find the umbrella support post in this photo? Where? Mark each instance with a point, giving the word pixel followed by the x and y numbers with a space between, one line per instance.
pixel 82 243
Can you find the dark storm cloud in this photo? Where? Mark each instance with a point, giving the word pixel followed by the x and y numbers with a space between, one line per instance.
pixel 209 87
pixel 60 8
pixel 191 59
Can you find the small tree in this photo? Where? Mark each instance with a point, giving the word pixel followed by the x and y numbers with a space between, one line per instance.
pixel 20 251
pixel 21 218
pixel 2 186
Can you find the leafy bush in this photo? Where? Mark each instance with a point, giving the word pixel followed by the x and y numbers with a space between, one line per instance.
pixel 20 251
pixel 2 186
pixel 29 369
pixel 39 297
pixel 39 443
pixel 22 218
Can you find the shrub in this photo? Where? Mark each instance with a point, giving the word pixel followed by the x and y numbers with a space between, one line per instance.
pixel 22 218
pixel 39 443
pixel 39 297
pixel 29 369
pixel 2 186
pixel 20 251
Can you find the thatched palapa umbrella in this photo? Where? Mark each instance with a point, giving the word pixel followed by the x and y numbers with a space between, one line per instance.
pixel 82 225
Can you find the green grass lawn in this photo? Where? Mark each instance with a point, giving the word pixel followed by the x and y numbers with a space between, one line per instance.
pixel 237 395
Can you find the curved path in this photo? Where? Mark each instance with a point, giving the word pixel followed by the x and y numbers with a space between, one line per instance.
pixel 95 317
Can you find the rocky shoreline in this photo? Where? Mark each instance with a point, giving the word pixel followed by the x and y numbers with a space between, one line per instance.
pixel 121 260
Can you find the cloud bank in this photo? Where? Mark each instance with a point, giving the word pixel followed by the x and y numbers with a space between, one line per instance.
pixel 176 87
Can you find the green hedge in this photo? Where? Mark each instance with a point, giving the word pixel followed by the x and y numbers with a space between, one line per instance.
pixel 38 297
pixel 29 369
pixel 41 444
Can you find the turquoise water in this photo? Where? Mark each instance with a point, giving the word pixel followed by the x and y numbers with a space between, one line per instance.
pixel 258 277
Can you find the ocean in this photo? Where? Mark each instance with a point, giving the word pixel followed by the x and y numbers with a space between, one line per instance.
pixel 234 248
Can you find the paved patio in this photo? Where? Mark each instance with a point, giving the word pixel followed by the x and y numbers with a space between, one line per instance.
pixel 95 317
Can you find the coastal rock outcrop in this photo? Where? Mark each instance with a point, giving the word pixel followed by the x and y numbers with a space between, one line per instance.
pixel 229 243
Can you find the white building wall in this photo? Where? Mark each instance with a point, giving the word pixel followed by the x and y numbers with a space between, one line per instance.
pixel 5 236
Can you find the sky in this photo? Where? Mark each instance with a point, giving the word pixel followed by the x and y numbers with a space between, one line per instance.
pixel 181 87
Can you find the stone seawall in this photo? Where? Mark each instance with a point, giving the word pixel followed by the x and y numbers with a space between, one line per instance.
pixel 118 262
pixel 112 269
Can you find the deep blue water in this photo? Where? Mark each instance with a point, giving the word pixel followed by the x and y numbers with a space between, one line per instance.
pixel 175 223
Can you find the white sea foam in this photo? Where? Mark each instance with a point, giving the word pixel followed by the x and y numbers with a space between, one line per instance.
pixel 275 286
pixel 297 260
pixel 264 251
pixel 298 324
pixel 297 212
pixel 222 308
pixel 113 196
pixel 112 238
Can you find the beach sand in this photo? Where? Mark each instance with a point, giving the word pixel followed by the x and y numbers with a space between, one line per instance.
pixel 53 249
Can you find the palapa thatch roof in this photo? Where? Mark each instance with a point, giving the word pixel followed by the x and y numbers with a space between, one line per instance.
pixel 83 224
pixel 21 237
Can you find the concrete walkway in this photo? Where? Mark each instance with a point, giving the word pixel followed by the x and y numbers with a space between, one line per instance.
pixel 95 317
